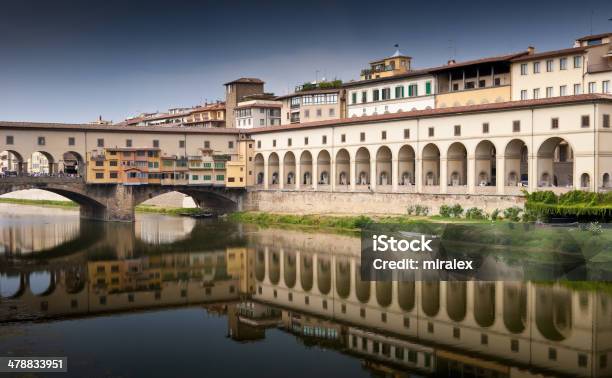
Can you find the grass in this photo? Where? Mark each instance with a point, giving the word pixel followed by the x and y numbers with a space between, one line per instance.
pixel 73 205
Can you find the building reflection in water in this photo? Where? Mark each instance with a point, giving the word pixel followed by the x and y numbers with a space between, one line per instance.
pixel 308 285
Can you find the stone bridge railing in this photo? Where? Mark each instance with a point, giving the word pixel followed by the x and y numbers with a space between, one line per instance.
pixel 25 180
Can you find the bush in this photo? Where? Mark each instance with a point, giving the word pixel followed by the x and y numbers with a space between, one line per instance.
pixel 475 213
pixel 456 211
pixel 495 215
pixel 512 213
pixel 417 210
pixel 445 211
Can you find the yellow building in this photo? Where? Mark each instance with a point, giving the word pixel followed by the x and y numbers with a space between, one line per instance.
pixel 386 67
pixel 240 265
pixel 239 169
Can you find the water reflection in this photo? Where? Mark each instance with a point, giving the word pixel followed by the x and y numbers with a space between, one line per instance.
pixel 308 286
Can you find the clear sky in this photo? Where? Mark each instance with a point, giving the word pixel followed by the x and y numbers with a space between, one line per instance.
pixel 70 61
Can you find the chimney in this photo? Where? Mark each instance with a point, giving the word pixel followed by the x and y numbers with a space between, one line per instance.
pixel 530 50
pixel 451 62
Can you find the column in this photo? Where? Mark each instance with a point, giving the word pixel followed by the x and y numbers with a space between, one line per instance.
pixel 298 174
pixel 532 168
pixel 418 175
pixel 500 174
pixel 332 177
pixel 352 178
pixel 314 174
pixel 266 174
pixel 394 174
pixel 471 173
pixel 443 175
pixel 373 174
pixel 281 174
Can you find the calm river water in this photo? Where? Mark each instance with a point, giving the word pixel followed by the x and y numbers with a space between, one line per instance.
pixel 178 297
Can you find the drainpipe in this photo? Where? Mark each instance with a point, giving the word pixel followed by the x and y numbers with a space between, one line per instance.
pixel 595 150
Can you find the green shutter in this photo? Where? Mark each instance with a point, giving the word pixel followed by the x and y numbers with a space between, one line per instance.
pixel 410 91
pixel 354 98
pixel 428 88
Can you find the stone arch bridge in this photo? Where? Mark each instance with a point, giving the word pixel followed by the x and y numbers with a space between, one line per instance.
pixel 117 202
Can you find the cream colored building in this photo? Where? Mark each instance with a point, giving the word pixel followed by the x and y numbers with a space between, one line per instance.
pixel 312 105
pixel 584 68
pixel 500 148
pixel 257 113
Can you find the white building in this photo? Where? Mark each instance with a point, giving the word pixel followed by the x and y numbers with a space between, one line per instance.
pixel 257 113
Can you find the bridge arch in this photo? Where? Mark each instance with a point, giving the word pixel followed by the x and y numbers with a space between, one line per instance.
pixel 306 169
pixel 306 272
pixel 456 300
pixel 343 278
pixel 383 166
pixel 42 283
pixel 323 275
pixel 12 161
pixel 323 167
pixel 362 288
pixel 289 269
pixel 343 167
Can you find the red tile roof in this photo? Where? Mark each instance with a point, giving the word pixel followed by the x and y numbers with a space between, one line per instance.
pixel 491 59
pixel 174 129
pixel 593 36
pixel 550 54
pixel 246 80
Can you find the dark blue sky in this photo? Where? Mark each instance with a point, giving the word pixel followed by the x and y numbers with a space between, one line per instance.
pixel 70 61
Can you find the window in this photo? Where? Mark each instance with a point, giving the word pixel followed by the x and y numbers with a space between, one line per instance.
pixel 605 86
pixel 181 144
pixel 332 112
pixel 563 63
pixel 112 163
pixel 343 138
pixel 406 133
pixel 536 67
pixel 324 139
pixel 484 339
pixel 41 141
pixel 156 143
pixel 582 360
pixel 457 130
pixel 306 113
pixel 497 82
pixel 577 89
pixel 606 121
pixel 592 87
pixel 71 141
pixel 481 83
pixel 305 141
pixel 99 175
pixel 524 69
pixel 354 98
pixel 375 95
pixel 514 345
pixel 431 131
pixel 100 142
pixel 10 139
pixel 413 90
pixel 455 87
pixel 585 121
pixel 469 85
pixel 383 135
pixel 220 177
pixel 258 144
pixel 273 142
pixel 99 163
pixel 399 92
pixel 230 144
pixel 261 122
pixel 364 96
pixel 554 123
pixel 362 137
pixel 524 94
pixel 428 87
pixel 563 90
pixel 406 322
pixel 383 317
pixel 577 61
pixel 516 126
pixel 456 332
pixel 552 354
pixel 536 93
pixel 206 144
pixel 319 112
pixel 289 142
pixel 485 128
pixel 549 91
pixel 549 65
pixel 386 93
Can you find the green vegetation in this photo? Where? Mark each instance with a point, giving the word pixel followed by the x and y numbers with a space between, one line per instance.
pixel 343 222
pixel 45 203
pixel 322 85
pixel 167 210
pixel 574 203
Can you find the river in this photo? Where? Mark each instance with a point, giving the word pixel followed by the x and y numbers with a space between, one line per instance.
pixel 174 296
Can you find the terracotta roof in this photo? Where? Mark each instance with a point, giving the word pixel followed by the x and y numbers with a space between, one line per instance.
pixel 310 92
pixel 491 59
pixel 117 128
pixel 510 105
pixel 413 73
pixel 131 149
pixel 245 80
pixel 269 106
pixel 550 54
pixel 593 36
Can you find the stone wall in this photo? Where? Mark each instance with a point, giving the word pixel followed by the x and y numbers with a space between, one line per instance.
pixel 310 202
